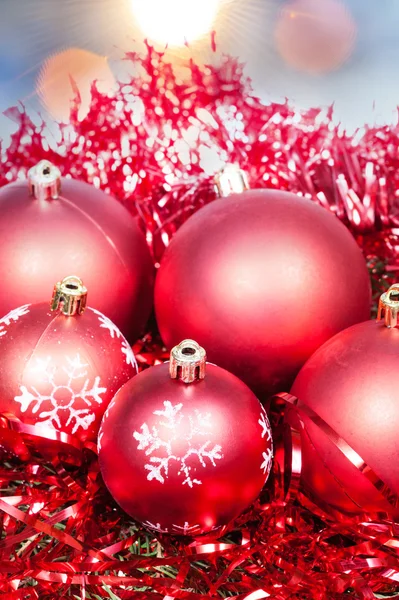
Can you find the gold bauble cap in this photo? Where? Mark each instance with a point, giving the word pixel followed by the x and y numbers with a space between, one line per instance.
pixel 69 296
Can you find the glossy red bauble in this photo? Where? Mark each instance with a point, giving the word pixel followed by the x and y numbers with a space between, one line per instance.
pixel 261 280
pixel 60 372
pixel 185 458
pixel 82 231
pixel 352 383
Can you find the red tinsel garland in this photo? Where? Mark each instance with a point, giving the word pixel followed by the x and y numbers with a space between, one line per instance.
pixel 62 533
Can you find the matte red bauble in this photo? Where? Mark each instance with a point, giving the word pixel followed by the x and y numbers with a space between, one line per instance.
pixel 184 452
pixel 55 226
pixel 59 368
pixel 352 383
pixel 235 274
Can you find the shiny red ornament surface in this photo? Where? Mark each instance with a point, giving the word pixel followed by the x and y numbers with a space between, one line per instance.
pixel 261 280
pixel 60 372
pixel 82 231
pixel 185 458
pixel 352 383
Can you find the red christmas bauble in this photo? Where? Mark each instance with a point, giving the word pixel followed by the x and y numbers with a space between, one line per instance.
pixel 60 372
pixel 77 229
pixel 185 458
pixel 352 383
pixel 235 274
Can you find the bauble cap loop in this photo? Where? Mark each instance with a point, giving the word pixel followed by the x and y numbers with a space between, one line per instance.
pixel 44 181
pixel 69 296
pixel 388 306
pixel 187 362
pixel 231 180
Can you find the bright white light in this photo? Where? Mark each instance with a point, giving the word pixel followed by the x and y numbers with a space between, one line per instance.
pixel 175 22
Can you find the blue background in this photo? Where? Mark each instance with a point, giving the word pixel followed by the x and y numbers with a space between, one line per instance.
pixel 364 89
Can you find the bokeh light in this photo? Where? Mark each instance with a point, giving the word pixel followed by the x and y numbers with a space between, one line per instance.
pixel 175 22
pixel 55 86
pixel 315 36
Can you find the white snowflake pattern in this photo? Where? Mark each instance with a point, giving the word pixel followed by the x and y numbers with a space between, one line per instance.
pixel 264 423
pixel 156 527
pixel 74 370
pixel 185 529
pixel 105 417
pixel 151 441
pixel 266 431
pixel 115 332
pixel 99 440
pixel 13 315
pixel 267 461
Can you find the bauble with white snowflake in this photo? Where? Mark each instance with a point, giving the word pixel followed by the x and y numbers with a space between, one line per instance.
pixel 185 447
pixel 61 364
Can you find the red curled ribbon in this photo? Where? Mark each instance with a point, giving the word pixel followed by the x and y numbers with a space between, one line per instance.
pixel 349 453
pixel 63 531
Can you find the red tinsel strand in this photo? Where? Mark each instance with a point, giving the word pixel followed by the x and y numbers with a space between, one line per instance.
pixel 144 145
pixel 283 546
pixel 62 533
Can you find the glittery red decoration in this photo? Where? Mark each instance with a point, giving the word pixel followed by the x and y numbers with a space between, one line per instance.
pixel 63 387
pixel 62 534
pixel 185 458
